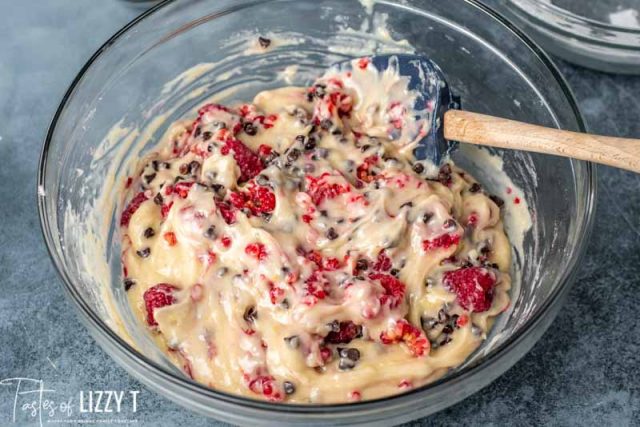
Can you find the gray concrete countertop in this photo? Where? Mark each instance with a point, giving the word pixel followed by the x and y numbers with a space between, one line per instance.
pixel 584 371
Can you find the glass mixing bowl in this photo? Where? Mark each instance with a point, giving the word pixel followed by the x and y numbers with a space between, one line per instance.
pixel 492 66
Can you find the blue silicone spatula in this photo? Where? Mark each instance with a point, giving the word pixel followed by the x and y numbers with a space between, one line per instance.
pixel 448 123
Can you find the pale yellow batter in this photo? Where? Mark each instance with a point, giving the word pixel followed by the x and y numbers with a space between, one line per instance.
pixel 292 249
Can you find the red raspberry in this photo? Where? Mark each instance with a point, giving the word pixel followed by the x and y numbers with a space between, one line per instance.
pixel 319 189
pixel 170 238
pixel 275 293
pixel 473 286
pixel 363 63
pixel 131 208
pixel 316 288
pixel 394 289
pixel 249 163
pixel 364 172
pixel 227 211
pixel 408 334
pixel 158 296
pixel 383 263
pixel 256 250
pixel 264 385
pixel 182 188
pixel 348 332
pixel 257 199
pixel 445 241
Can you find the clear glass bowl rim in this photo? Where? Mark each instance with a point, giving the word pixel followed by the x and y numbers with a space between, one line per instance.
pixel 546 12
pixel 143 362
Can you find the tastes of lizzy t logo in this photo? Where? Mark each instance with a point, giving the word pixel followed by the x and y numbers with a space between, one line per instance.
pixel 33 402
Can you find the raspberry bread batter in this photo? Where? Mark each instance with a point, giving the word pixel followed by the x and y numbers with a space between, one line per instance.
pixel 293 250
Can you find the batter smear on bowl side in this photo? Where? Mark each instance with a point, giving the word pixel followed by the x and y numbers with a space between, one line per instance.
pixel 293 249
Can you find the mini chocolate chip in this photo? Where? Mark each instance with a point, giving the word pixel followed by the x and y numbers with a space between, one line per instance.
pixel 336 131
pixel 210 233
pixel 362 264
pixel 310 144
pixel 427 217
pixel 447 329
pixel 284 304
pixel 442 315
pixel 184 169
pixel 207 135
pixel 166 165
pixel 450 223
pixel 332 234
pixel 149 178
pixel 475 187
pixel 217 187
pixel 193 167
pixel 128 283
pixel 264 42
pixel 447 339
pixel 262 180
pixel 222 271
pixel 143 253
pixel 418 168
pixel 365 147
pixel 250 314
pixel 349 353
pixel 326 124
pixel 407 205
pixel 293 341
pixel 155 164
pixel 394 272
pixel 148 232
pixel 300 138
pixel 197 132
pixel 158 199
pixel 288 387
pixel 293 154
pixel 250 129
pixel 497 200
pixel 428 323
pixel 334 326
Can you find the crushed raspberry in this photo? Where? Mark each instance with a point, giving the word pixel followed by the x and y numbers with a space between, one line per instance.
pixel 156 297
pixel 516 200
pixel 363 172
pixel 405 384
pixel 128 182
pixel 306 218
pixel 164 210
pixel 264 151
pixel 131 208
pixel 170 238
pixel 328 264
pixel 227 211
pixel 325 354
pixel 182 189
pixel 412 337
pixel 462 321
pixel 343 103
pixel 445 241
pixel 394 289
pixel 257 199
pixel 275 293
pixel 256 250
pixel 383 262
pixel 355 396
pixel 472 220
pixel 473 286
pixel 316 288
pixel 226 241
pixel 319 189
pixel 249 163
pixel 264 385
pixel 211 257
pixel 363 63
pixel 348 332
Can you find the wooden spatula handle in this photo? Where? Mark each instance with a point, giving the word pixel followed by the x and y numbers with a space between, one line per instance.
pixel 474 128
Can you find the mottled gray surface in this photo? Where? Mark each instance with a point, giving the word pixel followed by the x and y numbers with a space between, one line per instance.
pixel 584 371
